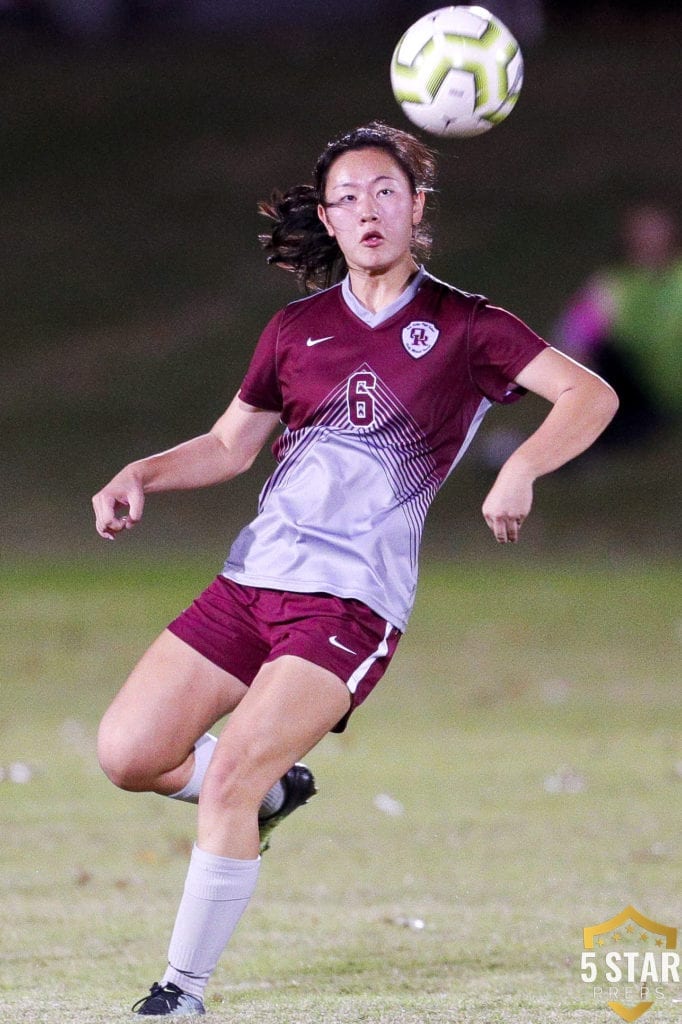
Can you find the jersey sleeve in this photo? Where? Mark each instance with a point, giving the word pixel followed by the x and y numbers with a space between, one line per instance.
pixel 500 346
pixel 260 386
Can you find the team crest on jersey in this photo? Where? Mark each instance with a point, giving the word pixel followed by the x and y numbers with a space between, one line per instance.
pixel 419 337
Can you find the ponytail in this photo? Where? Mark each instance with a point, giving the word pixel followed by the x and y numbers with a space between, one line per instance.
pixel 298 240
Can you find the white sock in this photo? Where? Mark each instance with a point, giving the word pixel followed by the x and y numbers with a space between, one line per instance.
pixel 203 752
pixel 217 892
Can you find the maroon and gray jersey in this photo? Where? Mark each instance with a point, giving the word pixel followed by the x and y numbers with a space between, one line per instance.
pixel 378 409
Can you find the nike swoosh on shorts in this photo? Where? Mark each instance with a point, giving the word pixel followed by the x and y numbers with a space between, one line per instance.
pixel 335 642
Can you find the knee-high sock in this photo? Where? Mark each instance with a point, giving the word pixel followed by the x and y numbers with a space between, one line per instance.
pixel 217 892
pixel 203 752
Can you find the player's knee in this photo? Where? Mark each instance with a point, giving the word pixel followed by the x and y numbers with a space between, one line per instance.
pixel 121 763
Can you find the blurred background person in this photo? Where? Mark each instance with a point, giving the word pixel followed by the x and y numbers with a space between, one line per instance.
pixel 626 323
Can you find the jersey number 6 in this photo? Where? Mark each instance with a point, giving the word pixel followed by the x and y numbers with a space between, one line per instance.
pixel 360 398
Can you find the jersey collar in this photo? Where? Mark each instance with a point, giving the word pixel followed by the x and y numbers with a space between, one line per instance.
pixel 376 319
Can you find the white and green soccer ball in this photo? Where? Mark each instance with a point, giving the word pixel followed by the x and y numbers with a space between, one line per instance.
pixel 457 71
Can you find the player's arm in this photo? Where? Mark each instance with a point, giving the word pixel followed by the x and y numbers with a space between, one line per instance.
pixel 228 449
pixel 582 406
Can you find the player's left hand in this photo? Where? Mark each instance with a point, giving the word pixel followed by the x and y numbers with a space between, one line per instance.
pixel 507 505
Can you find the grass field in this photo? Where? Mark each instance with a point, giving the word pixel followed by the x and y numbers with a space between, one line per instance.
pixel 528 735
pixel 529 731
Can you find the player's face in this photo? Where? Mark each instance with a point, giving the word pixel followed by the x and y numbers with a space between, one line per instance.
pixel 371 210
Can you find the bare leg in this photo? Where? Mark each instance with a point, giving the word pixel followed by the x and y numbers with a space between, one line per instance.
pixel 171 698
pixel 146 741
pixel 289 707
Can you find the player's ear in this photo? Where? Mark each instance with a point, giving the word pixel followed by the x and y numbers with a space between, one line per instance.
pixel 322 214
pixel 418 206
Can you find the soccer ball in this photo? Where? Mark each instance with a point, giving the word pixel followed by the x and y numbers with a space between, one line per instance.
pixel 457 71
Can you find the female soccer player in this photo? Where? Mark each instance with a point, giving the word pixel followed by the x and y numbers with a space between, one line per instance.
pixel 380 381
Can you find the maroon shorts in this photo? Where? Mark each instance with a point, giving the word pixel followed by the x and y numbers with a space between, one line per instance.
pixel 240 628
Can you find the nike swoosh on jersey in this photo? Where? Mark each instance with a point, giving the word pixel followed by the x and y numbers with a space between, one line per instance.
pixel 316 341
pixel 335 642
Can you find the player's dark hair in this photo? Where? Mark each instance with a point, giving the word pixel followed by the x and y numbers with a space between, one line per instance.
pixel 298 240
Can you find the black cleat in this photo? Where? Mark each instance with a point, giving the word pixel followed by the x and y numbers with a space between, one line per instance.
pixel 299 786
pixel 168 1001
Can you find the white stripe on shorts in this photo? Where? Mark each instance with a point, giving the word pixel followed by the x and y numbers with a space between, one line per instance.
pixel 362 670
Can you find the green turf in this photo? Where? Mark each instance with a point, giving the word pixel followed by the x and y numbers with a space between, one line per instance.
pixel 513 681
pixel 130 181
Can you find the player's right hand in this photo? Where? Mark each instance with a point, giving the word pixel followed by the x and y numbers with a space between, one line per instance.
pixel 118 506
